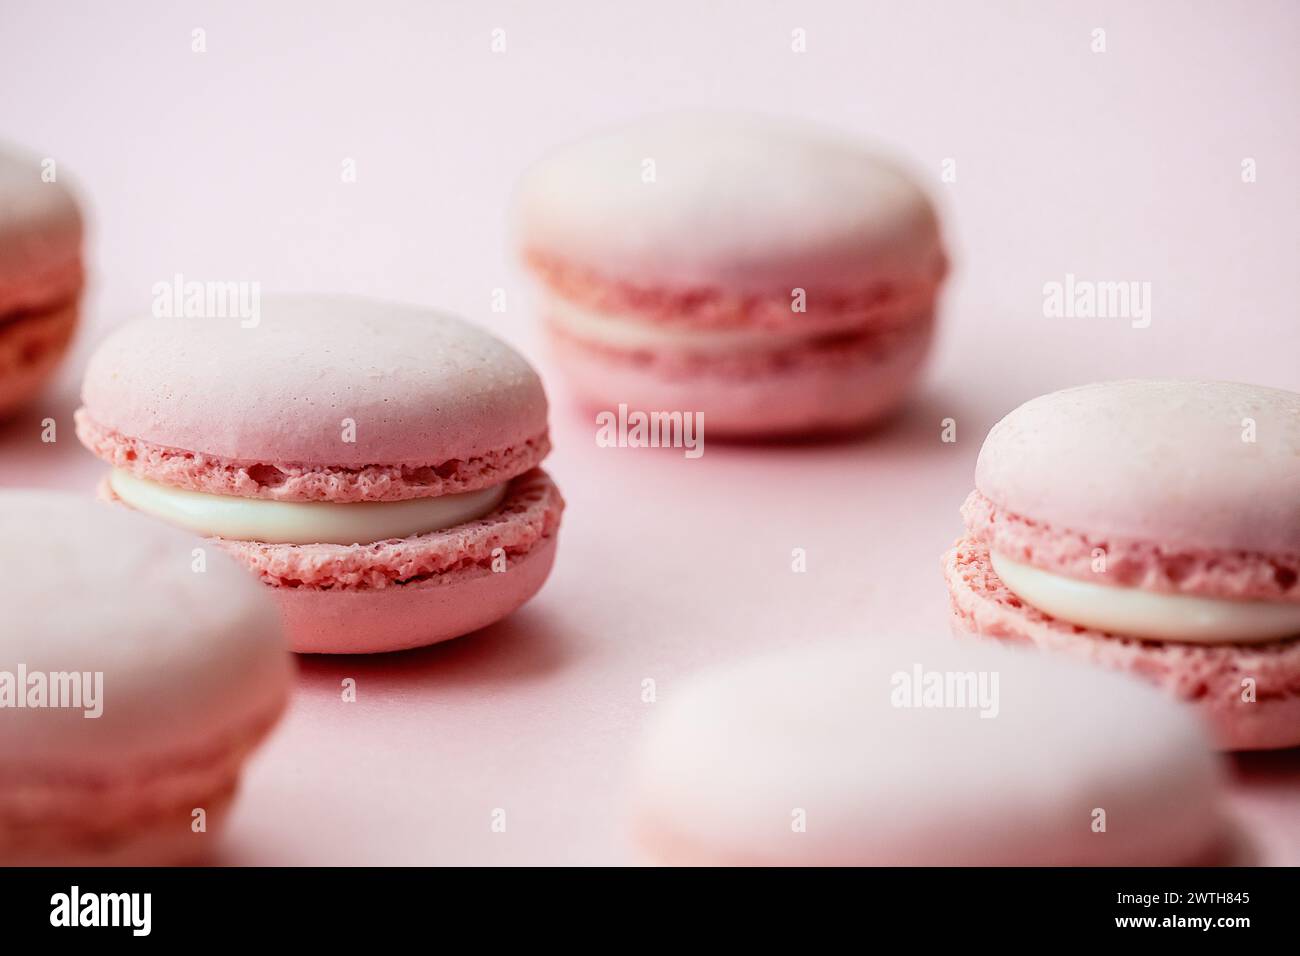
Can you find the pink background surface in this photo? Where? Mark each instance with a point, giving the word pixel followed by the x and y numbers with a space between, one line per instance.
pixel 226 165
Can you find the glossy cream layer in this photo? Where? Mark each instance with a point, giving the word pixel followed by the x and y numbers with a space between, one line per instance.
pixel 301 522
pixel 1164 617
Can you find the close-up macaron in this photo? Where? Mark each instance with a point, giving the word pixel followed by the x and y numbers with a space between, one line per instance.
pixel 1151 526
pixel 911 754
pixel 779 278
pixel 138 670
pixel 41 275
pixel 374 465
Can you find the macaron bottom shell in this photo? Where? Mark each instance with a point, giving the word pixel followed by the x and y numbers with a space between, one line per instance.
pixel 822 387
pixel 378 620
pixel 143 816
pixel 1248 694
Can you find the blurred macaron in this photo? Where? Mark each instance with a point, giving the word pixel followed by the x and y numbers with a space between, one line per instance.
pixel 139 668
pixel 779 278
pixel 926 755
pixel 41 274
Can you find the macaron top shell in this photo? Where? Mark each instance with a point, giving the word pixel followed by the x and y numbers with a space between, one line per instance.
pixel 190 654
pixel 747 203
pixel 733 756
pixel 40 236
pixel 1184 464
pixel 324 380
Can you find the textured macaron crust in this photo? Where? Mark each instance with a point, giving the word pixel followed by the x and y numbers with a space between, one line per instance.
pixel 1195 466
pixel 840 756
pixel 656 241
pixel 41 275
pixel 1211 677
pixel 343 401
pixel 193 672
pixel 439 406
pixel 1175 489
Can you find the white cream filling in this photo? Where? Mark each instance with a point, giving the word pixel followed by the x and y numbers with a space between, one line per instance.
pixel 301 522
pixel 1166 617
pixel 626 332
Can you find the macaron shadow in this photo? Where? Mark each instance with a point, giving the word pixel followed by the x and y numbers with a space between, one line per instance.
pixel 525 646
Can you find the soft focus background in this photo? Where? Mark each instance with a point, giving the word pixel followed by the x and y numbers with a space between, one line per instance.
pixel 226 165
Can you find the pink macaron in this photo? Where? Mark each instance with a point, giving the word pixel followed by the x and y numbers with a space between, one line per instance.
pixel 41 275
pixel 778 278
pixel 1152 527
pixel 374 465
pixel 138 670
pixel 915 754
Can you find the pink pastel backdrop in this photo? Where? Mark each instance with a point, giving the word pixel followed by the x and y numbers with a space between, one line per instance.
pixel 226 165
